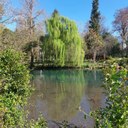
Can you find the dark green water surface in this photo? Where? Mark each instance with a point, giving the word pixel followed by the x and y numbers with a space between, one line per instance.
pixel 59 93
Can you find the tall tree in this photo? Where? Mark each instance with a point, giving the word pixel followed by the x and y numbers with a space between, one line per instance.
pixel 120 24
pixel 110 43
pixel 28 16
pixel 62 44
pixel 92 38
pixel 27 19
pixel 94 43
pixel 94 22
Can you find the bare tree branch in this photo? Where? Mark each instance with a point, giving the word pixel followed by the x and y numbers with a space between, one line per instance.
pixel 120 24
pixel 5 11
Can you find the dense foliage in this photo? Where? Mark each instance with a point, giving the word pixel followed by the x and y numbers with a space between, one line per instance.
pixel 111 47
pixel 93 38
pixel 62 45
pixel 14 88
pixel 94 22
pixel 7 39
pixel 14 91
pixel 115 114
pixel 94 43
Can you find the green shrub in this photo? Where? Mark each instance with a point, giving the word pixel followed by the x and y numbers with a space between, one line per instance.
pixel 15 89
pixel 115 114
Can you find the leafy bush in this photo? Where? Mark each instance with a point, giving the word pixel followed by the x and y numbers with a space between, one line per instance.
pixel 40 123
pixel 115 114
pixel 121 61
pixel 14 91
pixel 14 87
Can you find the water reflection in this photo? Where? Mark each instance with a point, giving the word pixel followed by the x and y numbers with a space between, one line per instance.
pixel 60 92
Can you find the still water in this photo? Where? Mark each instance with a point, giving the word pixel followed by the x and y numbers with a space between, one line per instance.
pixel 59 93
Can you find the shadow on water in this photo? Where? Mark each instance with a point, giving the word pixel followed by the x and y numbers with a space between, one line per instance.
pixel 59 93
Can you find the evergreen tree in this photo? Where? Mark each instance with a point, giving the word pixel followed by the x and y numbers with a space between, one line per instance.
pixel 92 38
pixel 95 17
pixel 94 43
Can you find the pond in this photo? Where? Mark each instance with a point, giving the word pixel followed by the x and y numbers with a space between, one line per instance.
pixel 59 93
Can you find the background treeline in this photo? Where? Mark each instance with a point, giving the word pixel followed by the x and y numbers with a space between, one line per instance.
pixel 56 41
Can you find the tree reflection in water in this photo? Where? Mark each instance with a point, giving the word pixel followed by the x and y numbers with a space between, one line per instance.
pixel 59 93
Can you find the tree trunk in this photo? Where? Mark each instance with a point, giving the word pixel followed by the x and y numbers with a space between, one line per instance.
pixel 32 59
pixel 122 47
pixel 94 56
pixel 122 44
pixel 104 56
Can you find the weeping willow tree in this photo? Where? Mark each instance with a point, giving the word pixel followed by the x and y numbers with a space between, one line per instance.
pixel 62 45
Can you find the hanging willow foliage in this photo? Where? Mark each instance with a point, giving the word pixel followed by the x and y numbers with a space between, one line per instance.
pixel 62 45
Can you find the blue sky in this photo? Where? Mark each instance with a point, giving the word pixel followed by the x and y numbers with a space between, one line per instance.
pixel 79 10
